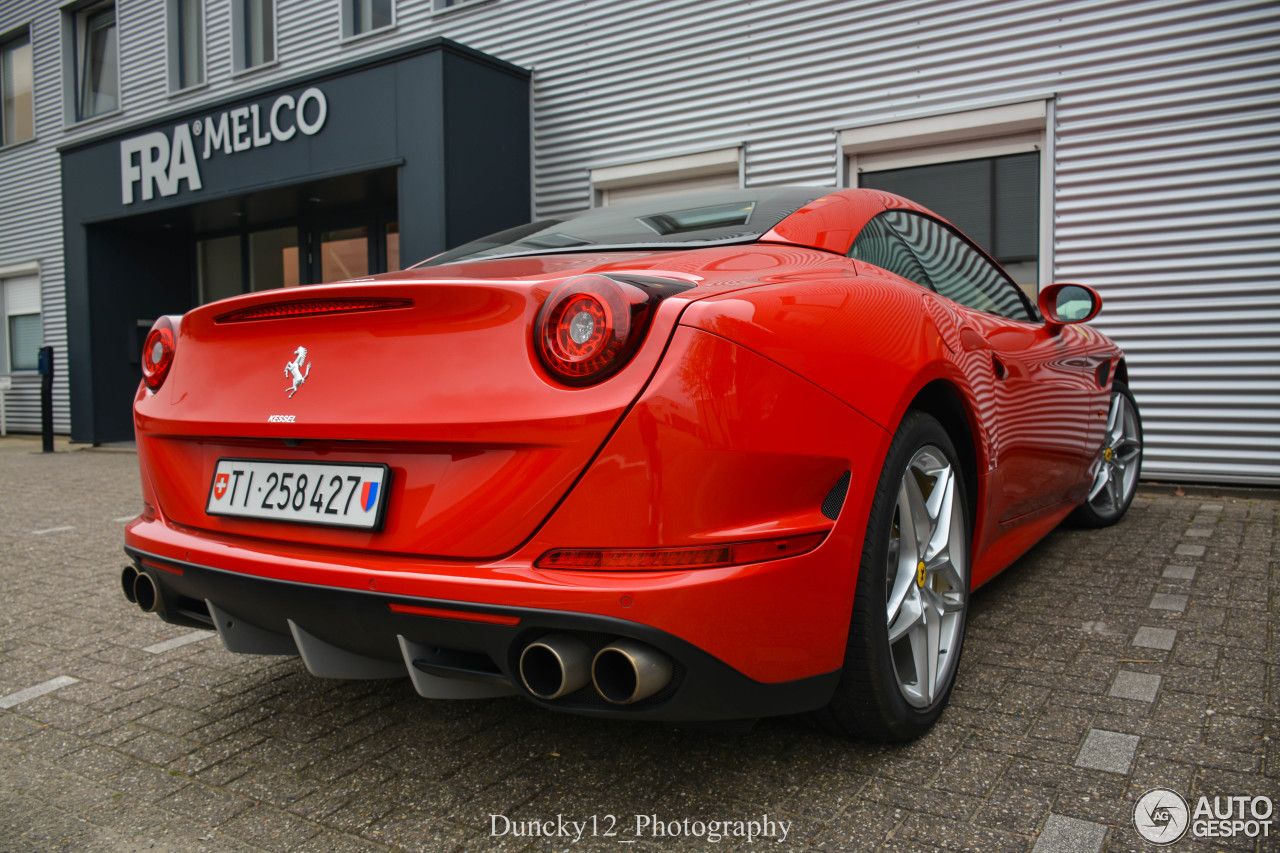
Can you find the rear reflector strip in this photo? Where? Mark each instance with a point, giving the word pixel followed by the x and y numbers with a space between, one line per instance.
pixel 311 306
pixel 151 564
pixel 463 615
pixel 714 556
pixel 678 558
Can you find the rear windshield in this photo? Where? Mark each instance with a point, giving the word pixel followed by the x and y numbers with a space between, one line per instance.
pixel 679 221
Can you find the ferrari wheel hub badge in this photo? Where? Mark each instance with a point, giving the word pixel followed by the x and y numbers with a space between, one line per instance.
pixel 1106 454
pixel 293 370
pixel 920 573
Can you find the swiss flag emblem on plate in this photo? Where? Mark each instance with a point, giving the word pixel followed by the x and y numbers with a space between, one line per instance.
pixel 220 486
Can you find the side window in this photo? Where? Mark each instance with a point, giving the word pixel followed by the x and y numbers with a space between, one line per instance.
pixel 878 244
pixel 365 16
pixel 186 44
pixel 956 269
pixel 20 304
pixel 17 117
pixel 97 73
pixel 253 27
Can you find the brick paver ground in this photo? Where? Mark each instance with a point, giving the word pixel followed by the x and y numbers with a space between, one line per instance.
pixel 1103 664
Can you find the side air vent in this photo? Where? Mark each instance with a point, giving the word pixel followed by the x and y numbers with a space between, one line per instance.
pixel 1104 373
pixel 835 498
pixel 302 307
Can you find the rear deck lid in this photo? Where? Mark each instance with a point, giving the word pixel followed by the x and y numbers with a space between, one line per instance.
pixel 435 379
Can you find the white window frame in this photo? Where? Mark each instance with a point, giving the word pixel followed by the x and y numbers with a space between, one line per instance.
pixel 8 274
pixel 7 39
pixel 174 48
pixel 719 161
pixel 239 48
pixel 349 26
pixel 968 134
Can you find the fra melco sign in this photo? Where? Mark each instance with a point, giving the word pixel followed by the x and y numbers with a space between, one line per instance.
pixel 159 163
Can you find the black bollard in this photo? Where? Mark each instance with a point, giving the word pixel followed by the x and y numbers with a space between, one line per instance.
pixel 46 398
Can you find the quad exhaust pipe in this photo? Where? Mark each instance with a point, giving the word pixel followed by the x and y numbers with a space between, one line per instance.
pixel 626 671
pixel 555 665
pixel 128 578
pixel 140 589
pixel 623 672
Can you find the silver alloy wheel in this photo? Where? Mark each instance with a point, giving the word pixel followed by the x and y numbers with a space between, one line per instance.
pixel 1117 474
pixel 928 577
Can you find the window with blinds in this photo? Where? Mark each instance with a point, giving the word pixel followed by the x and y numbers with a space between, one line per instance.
pixel 23 328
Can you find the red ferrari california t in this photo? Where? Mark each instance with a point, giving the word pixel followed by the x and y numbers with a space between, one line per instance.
pixel 711 457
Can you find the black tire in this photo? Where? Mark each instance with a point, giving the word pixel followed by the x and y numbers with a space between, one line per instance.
pixel 871 700
pixel 1100 510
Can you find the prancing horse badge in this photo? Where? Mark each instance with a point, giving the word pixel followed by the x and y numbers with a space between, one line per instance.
pixel 294 371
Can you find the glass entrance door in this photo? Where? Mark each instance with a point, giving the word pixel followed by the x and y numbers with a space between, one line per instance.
pixel 273 258
pixel 344 253
pixel 345 250
pixel 265 259
pixel 247 261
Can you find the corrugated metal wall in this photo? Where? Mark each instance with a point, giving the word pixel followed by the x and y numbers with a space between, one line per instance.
pixel 1166 142
pixel 1168 196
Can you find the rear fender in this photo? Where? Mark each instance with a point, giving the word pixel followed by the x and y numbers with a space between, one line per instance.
pixel 834 333
pixel 725 446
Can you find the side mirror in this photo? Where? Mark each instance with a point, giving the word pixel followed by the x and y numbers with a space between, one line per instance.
pixel 1065 304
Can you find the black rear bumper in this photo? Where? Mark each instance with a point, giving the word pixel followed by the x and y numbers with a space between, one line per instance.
pixel 356 634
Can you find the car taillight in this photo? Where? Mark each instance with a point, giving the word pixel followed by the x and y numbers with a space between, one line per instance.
pixel 157 353
pixel 591 325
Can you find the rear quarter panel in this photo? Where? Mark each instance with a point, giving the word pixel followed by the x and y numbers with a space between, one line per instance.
pixel 872 343
pixel 875 343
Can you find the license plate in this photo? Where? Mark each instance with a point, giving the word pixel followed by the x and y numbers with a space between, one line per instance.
pixel 327 493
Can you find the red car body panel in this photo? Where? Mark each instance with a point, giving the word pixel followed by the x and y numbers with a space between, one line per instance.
pixel 751 395
pixel 1036 429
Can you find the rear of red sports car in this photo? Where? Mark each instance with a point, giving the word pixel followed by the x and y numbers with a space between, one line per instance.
pixel 545 475
pixel 710 460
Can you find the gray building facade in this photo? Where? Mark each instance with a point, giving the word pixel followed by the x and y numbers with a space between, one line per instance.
pixel 1132 146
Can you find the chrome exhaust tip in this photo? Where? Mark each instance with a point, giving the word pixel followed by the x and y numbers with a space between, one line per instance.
pixel 626 671
pixel 145 593
pixel 127 578
pixel 555 665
